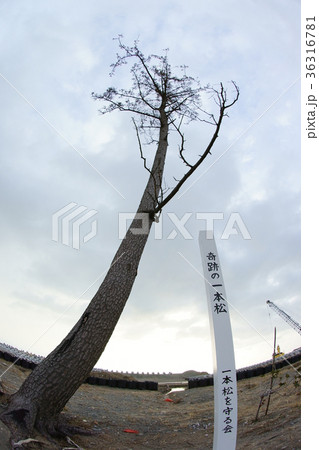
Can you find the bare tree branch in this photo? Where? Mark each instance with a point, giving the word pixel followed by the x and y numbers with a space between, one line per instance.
pixel 181 148
pixel 144 160
pixel 222 98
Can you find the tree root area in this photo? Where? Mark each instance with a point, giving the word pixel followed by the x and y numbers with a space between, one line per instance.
pixel 44 435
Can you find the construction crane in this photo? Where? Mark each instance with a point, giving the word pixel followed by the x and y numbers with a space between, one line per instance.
pixel 295 325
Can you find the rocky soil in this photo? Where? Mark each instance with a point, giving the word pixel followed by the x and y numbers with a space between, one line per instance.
pixel 126 419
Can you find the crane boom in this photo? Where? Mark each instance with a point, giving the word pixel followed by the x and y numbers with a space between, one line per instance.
pixel 295 325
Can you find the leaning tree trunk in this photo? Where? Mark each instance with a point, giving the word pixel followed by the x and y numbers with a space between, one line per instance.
pixel 52 383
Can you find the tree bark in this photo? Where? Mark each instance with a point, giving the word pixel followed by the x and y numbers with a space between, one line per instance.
pixel 52 383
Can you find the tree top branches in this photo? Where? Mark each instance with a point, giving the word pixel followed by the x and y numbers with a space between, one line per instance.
pixel 158 95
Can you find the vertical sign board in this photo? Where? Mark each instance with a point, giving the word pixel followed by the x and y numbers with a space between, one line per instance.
pixel 225 385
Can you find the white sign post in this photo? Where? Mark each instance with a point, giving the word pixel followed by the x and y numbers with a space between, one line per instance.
pixel 225 385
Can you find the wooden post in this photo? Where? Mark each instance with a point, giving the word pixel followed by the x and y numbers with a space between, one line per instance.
pixel 272 372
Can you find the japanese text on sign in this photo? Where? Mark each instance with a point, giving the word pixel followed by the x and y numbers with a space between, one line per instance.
pixel 219 301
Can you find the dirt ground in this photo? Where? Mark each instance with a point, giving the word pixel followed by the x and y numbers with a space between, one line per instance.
pixel 131 419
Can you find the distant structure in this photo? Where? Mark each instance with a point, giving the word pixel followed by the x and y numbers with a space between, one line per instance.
pixel 295 325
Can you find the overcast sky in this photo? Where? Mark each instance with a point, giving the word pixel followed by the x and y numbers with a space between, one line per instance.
pixel 57 149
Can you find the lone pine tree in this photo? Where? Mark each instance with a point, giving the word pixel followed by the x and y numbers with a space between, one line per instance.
pixel 160 101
